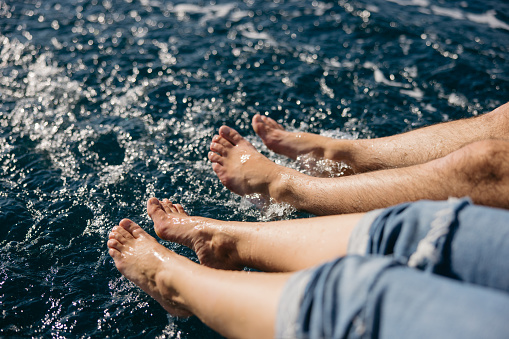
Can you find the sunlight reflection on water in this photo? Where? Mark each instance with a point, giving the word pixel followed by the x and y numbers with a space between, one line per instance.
pixel 105 104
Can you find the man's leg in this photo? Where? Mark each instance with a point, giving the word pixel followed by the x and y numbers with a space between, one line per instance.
pixel 277 246
pixel 235 304
pixel 479 170
pixel 407 149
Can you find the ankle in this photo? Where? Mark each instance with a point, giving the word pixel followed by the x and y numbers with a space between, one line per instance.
pixel 346 151
pixel 282 187
pixel 167 282
pixel 226 246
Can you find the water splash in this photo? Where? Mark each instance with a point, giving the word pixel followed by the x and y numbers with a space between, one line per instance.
pixel 104 104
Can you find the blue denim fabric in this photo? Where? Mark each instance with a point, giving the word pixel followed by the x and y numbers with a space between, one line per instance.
pixel 455 239
pixel 460 289
pixel 378 297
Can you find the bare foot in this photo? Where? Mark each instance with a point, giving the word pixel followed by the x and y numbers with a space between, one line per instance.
pixel 276 138
pixel 214 247
pixel 141 259
pixel 296 144
pixel 240 167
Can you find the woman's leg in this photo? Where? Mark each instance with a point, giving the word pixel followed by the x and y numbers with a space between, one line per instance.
pixel 235 304
pixel 451 238
pixel 378 297
pixel 372 296
pixel 278 246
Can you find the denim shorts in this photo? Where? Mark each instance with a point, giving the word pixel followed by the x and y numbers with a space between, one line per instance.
pixel 452 252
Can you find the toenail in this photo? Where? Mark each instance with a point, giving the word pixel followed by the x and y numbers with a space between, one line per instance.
pixel 225 130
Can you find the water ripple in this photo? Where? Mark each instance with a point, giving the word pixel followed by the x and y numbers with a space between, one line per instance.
pixel 104 104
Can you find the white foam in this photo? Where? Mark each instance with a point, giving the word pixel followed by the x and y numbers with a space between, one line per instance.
pixel 244 158
pixel 249 31
pixel 380 77
pixel 321 7
pixel 416 93
pixel 164 54
pixel 210 12
pixel 457 100
pixel 489 19
pixel 452 13
pixel 421 3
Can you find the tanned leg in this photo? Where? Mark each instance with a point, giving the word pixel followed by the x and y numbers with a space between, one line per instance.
pixel 235 304
pixel 407 149
pixel 479 170
pixel 278 246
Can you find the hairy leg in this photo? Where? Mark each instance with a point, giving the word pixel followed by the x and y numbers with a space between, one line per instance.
pixel 295 144
pixel 235 304
pixel 407 149
pixel 479 170
pixel 278 246
pixel 312 150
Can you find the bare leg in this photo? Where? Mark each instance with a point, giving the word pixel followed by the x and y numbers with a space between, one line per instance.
pixel 308 148
pixel 235 304
pixel 295 144
pixel 479 170
pixel 411 148
pixel 278 246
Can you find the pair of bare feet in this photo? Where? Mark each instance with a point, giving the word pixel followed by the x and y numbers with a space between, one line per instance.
pixel 151 266
pixel 242 169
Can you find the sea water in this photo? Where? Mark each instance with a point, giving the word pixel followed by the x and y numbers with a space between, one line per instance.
pixel 106 103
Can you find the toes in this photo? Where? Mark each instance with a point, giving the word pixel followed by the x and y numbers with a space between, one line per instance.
pixel 120 234
pixel 215 158
pixel 114 230
pixel 168 206
pixel 262 125
pixel 225 143
pixel 180 209
pixel 128 229
pixel 257 119
pixel 161 209
pixel 257 124
pixel 155 209
pixel 230 134
pixel 133 229
pixel 130 226
pixel 113 252
pixel 272 123
pixel 115 249
pixel 218 169
pixel 217 147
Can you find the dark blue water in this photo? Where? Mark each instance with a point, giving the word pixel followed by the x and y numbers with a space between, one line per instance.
pixel 106 103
